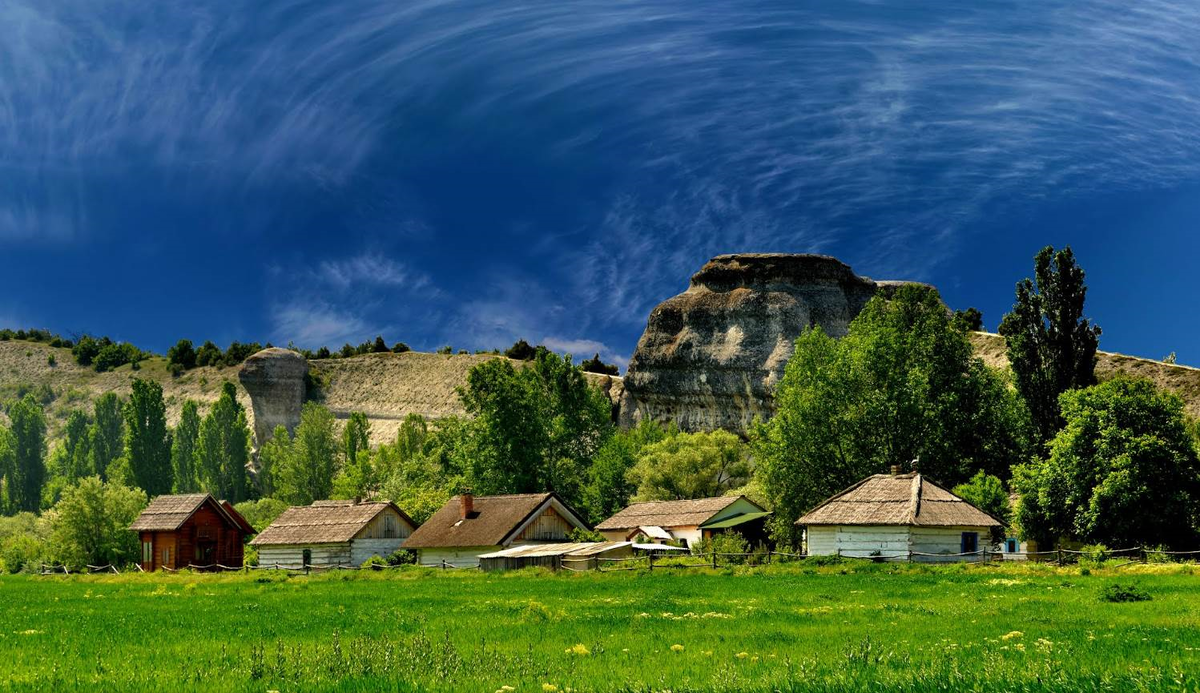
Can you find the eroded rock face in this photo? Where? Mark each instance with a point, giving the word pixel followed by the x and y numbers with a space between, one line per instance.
pixel 275 380
pixel 711 356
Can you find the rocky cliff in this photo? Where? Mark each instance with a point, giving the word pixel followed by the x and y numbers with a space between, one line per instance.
pixel 711 356
pixel 275 380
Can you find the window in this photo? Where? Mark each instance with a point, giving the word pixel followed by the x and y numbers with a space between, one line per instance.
pixel 306 557
pixel 970 542
pixel 389 527
pixel 147 552
pixel 166 557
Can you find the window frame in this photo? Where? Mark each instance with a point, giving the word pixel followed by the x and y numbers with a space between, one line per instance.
pixel 962 546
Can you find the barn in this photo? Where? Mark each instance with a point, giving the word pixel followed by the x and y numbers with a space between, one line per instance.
pixel 688 521
pixel 898 517
pixel 468 526
pixel 190 529
pixel 333 533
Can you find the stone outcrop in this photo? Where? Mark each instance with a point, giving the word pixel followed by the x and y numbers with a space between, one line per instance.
pixel 275 380
pixel 711 356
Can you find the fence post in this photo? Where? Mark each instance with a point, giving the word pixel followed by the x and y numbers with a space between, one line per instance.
pixel 1060 556
pixel 652 561
pixel 714 558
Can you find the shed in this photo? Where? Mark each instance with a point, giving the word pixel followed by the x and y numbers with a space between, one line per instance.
pixel 897 517
pixel 333 533
pixel 688 521
pixel 469 526
pixel 571 556
pixel 190 529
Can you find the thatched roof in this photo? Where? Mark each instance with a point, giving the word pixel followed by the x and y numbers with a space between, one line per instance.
pixel 898 499
pixel 678 513
pixel 168 513
pixel 323 522
pixel 491 523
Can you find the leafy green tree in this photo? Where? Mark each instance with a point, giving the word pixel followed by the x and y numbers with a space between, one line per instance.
pixel 24 541
pixel 182 354
pixel 595 365
pixel 521 351
pixel 380 346
pixel 970 319
pixel 115 355
pixel 183 448
pixel 272 457
pixel 902 385
pixel 307 474
pixel 262 512
pixel 609 488
pixel 397 348
pixel 86 349
pixel 685 466
pixel 355 436
pixel 223 448
pixel 209 354
pixel 8 461
pixel 1122 472
pixel 72 459
pixel 357 479
pixel 1051 346
pixel 107 434
pixel 91 523
pixel 536 427
pixel 147 441
pixel 28 472
pixel 987 493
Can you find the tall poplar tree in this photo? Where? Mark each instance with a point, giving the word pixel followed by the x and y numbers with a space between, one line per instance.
pixel 28 472
pixel 108 430
pixel 183 448
pixel 147 442
pixel 223 448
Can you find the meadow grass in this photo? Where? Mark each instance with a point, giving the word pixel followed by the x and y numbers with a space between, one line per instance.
pixel 857 627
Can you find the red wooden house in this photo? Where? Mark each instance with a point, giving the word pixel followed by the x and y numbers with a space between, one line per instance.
pixel 194 529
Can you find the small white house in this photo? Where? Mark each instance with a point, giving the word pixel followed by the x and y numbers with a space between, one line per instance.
pixel 333 533
pixel 687 521
pixel 898 517
pixel 469 526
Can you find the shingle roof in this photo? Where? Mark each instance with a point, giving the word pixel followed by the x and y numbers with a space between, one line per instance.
pixel 493 519
pixel 679 513
pixel 900 499
pixel 323 522
pixel 168 513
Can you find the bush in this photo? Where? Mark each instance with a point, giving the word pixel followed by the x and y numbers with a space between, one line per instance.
pixel 579 536
pixel 51 361
pixel 595 365
pixel 176 369
pixel 1094 554
pixel 402 557
pixel 724 543
pixel 22 552
pixel 521 351
pixel 250 556
pixel 400 348
pixel 374 563
pixel 447 350
pixel 182 355
pixel 1118 593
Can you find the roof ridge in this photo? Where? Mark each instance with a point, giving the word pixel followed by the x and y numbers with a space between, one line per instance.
pixel 915 502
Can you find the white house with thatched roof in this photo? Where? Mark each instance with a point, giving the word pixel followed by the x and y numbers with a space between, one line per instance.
pixel 333 533
pixel 898 517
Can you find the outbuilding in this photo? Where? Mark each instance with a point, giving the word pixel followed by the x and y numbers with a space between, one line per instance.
pixel 333 533
pixel 194 529
pixel 687 521
pixel 898 517
pixel 468 526
pixel 569 556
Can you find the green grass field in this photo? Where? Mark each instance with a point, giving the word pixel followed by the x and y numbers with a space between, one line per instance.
pixel 795 628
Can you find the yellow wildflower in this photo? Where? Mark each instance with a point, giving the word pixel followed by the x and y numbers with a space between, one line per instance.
pixel 579 649
pixel 677 648
pixel 549 688
pixel 1011 635
pixel 742 655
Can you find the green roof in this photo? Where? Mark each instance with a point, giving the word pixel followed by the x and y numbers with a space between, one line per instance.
pixel 734 521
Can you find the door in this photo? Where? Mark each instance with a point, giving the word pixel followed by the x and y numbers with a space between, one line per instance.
pixel 970 542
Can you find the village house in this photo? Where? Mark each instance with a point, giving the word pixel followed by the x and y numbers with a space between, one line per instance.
pixel 898 517
pixel 191 529
pixel 333 533
pixel 687 521
pixel 468 526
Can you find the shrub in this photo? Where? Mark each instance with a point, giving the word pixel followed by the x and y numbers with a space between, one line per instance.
pixel 521 351
pixel 22 552
pixel 1094 554
pixel 250 556
pixel 176 369
pixel 374 563
pixel 595 365
pixel 1118 593
pixel 51 361
pixel 182 354
pixel 578 536
pixel 725 543
pixel 402 557
pixel 400 348
pixel 447 350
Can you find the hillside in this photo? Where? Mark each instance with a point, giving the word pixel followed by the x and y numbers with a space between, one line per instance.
pixel 1182 380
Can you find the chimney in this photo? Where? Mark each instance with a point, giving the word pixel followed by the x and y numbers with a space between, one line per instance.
pixel 466 503
pixel 895 470
pixel 915 463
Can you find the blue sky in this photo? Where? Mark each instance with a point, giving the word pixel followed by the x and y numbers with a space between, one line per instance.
pixel 470 173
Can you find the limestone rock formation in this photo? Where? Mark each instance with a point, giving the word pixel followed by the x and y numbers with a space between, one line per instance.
pixel 274 378
pixel 711 356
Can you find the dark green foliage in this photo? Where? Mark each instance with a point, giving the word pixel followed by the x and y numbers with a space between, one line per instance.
pixel 1118 593
pixel 27 470
pixel 116 354
pixel 1122 472
pixel 595 365
pixel 536 428
pixel 272 457
pixel 355 436
pixel 970 319
pixel 685 466
pixel 182 354
pixel 73 459
pixel 183 448
pixel 238 352
pixel 446 350
pixel 323 353
pixel 86 349
pixel 521 351
pixel 380 346
pixel 400 348
pixel 107 434
pixel 902 385
pixel 305 473
pixel 147 441
pixel 347 351
pixel 261 513
pixel 223 448
pixel 987 493
pixel 609 488
pixel 1051 346
pixel 91 523
pixel 208 354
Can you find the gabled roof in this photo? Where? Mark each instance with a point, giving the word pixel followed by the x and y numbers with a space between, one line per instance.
pixel 898 499
pixel 323 522
pixel 678 513
pixel 168 513
pixel 493 521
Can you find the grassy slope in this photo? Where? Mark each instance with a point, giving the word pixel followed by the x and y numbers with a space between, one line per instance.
pixel 780 628
pixel 1182 380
